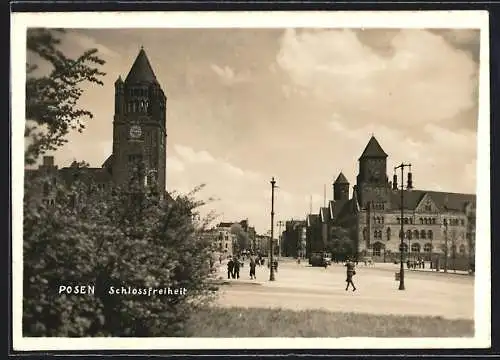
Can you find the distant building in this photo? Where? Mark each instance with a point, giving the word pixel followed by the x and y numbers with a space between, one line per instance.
pixel 435 223
pixel 139 136
pixel 294 238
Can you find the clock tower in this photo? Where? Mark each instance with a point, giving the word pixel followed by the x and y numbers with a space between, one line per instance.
pixel 372 181
pixel 139 127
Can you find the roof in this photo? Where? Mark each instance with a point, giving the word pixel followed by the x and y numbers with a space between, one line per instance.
pixel 445 201
pixel 325 214
pixel 312 219
pixel 141 70
pixel 336 207
pixel 225 224
pixel 99 175
pixel 346 208
pixel 341 179
pixel 373 150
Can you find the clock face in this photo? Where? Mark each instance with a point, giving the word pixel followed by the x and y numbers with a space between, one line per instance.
pixel 135 131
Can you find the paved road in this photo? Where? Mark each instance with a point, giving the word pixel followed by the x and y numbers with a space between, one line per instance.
pixel 303 287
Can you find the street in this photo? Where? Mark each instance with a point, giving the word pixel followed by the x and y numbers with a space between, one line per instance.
pixel 301 287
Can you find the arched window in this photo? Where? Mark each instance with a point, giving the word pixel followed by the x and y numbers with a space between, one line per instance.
pixel 411 221
pixel 376 249
pixel 434 221
pixel 427 248
pixel 462 249
pixel 46 189
pixel 426 221
pixel 406 220
pixel 429 234
pixel 422 234
pixel 415 248
pixel 415 234
pixel 408 234
pixel 421 221
pixel 388 233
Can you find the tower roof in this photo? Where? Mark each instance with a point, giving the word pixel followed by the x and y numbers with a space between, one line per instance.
pixel 341 179
pixel 141 70
pixel 373 150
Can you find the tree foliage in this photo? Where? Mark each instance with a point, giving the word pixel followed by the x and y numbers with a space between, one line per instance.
pixel 339 242
pixel 87 235
pixel 242 237
pixel 104 239
pixel 52 99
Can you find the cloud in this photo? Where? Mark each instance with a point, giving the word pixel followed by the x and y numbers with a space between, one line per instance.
pixel 424 79
pixel 228 76
pixel 443 156
pixel 86 42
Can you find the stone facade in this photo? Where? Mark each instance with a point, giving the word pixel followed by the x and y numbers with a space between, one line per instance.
pixel 139 134
pixel 434 223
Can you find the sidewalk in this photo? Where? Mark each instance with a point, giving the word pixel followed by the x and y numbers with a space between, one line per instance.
pixel 426 269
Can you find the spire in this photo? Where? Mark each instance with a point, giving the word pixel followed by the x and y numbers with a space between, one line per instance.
pixel 373 150
pixel 341 179
pixel 141 70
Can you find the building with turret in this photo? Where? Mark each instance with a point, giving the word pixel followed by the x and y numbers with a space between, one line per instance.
pixel 434 223
pixel 139 135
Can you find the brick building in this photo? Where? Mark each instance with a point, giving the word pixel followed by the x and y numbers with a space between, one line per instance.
pixel 435 223
pixel 139 135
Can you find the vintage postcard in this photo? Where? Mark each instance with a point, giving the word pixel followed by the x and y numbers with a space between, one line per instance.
pixel 235 180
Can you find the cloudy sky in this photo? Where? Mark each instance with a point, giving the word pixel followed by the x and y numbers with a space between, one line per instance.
pixel 297 104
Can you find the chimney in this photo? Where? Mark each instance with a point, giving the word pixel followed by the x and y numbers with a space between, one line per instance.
pixel 48 161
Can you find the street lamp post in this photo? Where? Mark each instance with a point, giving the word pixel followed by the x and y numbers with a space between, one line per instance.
pixel 271 269
pixel 402 234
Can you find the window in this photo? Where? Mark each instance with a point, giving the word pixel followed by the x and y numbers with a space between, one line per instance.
pixel 408 234
pixel 406 220
pixel 226 245
pixel 388 233
pixel 429 234
pixel 415 247
pixel 46 189
pixel 445 222
pixel 462 222
pixel 426 221
pixel 422 234
pixel 415 234
pixel 403 247
pixel 376 249
pixel 411 221
pixel 421 221
pixel 427 248
pixel 427 208
pixel 398 220
pixel 434 221
pixel 462 249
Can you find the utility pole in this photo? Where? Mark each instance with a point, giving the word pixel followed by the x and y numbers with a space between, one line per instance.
pixel 402 233
pixel 445 245
pixel 280 237
pixel 271 268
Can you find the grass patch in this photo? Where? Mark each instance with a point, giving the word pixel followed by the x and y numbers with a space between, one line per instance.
pixel 261 322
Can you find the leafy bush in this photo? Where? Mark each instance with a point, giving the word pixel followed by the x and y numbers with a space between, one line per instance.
pixel 94 237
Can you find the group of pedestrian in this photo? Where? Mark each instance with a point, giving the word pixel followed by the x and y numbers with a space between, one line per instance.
pixel 234 265
pixel 233 268
pixel 416 264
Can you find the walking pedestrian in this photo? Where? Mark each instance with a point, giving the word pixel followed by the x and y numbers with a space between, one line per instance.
pixel 350 273
pixel 252 268
pixel 230 267
pixel 236 269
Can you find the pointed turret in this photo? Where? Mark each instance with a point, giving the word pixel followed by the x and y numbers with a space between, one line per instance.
pixel 341 179
pixel 373 150
pixel 141 71
pixel 341 188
